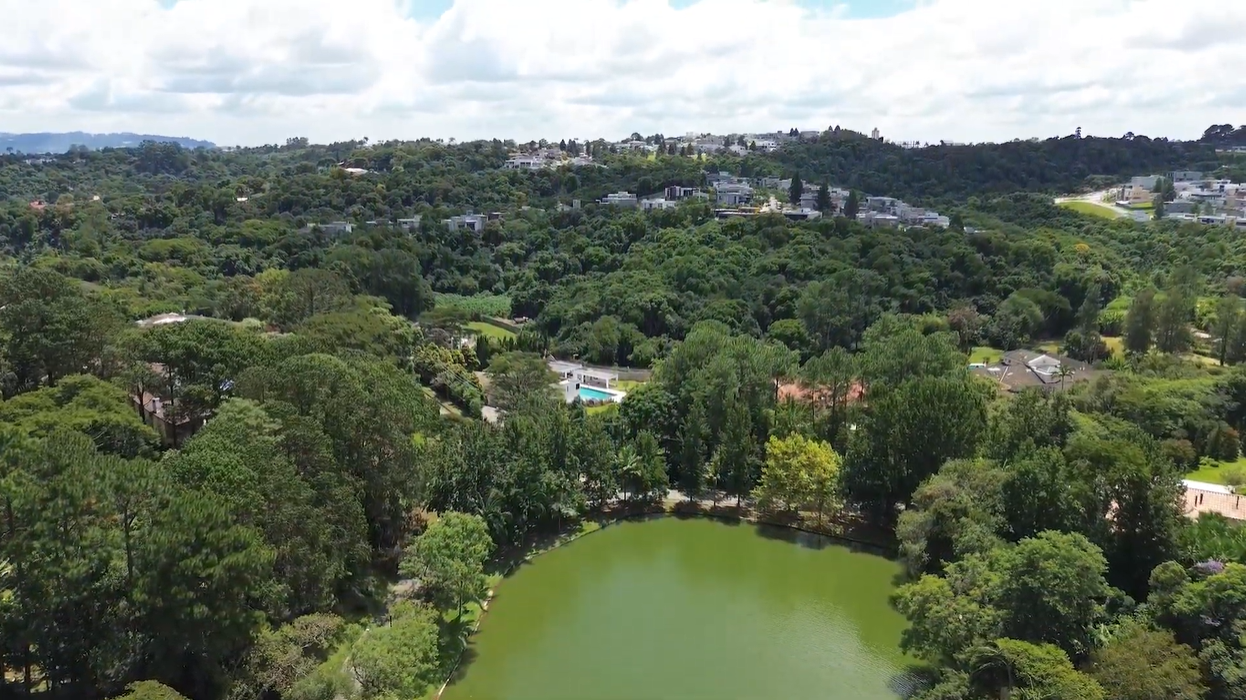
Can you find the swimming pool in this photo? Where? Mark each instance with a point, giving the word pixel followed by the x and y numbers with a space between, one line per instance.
pixel 588 393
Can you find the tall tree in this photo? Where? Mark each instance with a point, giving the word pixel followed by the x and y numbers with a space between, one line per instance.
pixel 824 199
pixel 517 379
pixel 1225 325
pixel 852 205
pixel 1172 321
pixel 1140 322
pixel 796 189
pixel 49 328
pixel 450 555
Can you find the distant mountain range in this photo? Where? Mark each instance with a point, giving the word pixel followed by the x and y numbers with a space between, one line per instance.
pixel 60 143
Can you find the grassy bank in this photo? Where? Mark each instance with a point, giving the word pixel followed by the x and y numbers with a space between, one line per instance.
pixel 1091 209
pixel 489 330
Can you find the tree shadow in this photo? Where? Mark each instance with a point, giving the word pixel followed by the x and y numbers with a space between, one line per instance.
pixel 912 681
pixel 456 646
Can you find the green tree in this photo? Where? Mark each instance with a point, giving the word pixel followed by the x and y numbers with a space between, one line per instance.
pixel 1140 322
pixel 693 468
pixel 1226 325
pixel 1143 663
pixel 49 328
pixel 1014 668
pixel 150 690
pixel 737 454
pixel 824 199
pixel 450 555
pixel 796 189
pixel 398 660
pixel 907 433
pixel 517 379
pixel 852 206
pixel 1052 590
pixel 1172 321
pixel 798 472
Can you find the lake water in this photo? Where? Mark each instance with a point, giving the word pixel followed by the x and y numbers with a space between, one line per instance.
pixel 690 608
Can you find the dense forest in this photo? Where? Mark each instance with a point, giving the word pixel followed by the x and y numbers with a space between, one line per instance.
pixel 308 463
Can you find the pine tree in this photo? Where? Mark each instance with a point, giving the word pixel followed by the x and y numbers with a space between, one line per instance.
pixel 692 471
pixel 796 190
pixel 853 205
pixel 824 198
pixel 1140 323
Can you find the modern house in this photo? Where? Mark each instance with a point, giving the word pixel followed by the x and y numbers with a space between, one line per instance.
pixel 524 163
pixel 733 194
pixel 658 204
pixel 677 192
pixel 802 214
pixel 1184 176
pixel 411 224
pixel 626 200
pixel 336 228
pixel 468 221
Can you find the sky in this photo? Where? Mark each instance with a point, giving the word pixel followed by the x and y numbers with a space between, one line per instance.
pixel 249 72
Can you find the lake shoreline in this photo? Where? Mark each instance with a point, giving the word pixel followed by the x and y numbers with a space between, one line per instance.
pixel 668 507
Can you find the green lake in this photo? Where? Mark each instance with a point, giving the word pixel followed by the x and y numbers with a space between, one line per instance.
pixel 690 608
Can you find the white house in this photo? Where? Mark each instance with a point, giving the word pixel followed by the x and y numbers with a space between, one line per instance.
pixel 620 199
pixel 473 222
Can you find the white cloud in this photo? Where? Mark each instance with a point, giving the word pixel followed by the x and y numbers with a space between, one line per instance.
pixel 250 71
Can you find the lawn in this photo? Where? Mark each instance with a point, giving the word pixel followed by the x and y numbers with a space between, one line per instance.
pixel 1091 209
pixel 489 330
pixel 1217 474
pixel 984 354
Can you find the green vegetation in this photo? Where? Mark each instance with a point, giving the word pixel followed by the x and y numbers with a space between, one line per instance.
pixel 494 305
pixel 489 330
pixel 1091 209
pixel 247 531
pixel 982 354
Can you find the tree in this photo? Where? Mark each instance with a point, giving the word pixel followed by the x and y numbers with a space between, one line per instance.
pixel 1140 322
pixel 798 472
pixel 1158 208
pixel 967 324
pixel 398 660
pixel 644 471
pixel 1013 668
pixel 1014 322
pixel 796 189
pixel 693 468
pixel 1052 590
pixel 450 555
pixel 736 454
pixel 852 205
pixel 49 328
pixel 518 379
pixel 150 690
pixel 909 432
pixel 955 513
pixel 1172 321
pixel 824 199
pixel 1143 663
pixel 1225 325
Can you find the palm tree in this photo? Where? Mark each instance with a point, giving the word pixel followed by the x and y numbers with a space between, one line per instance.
pixel 1063 372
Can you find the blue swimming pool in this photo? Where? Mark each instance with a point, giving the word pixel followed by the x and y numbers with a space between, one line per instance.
pixel 588 393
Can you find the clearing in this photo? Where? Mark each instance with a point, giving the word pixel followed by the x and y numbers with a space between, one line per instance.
pixel 1091 209
pixel 489 330
pixel 1220 472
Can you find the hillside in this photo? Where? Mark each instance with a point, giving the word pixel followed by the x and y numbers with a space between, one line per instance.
pixel 61 142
